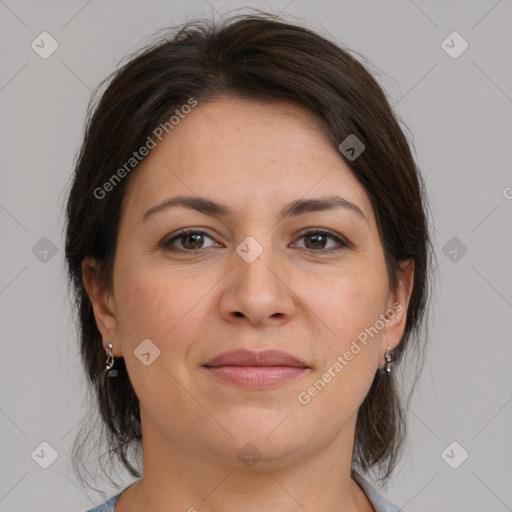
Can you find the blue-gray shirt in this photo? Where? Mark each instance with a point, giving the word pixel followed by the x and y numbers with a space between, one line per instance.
pixel 379 503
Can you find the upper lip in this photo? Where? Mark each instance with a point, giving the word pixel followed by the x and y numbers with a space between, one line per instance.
pixel 249 358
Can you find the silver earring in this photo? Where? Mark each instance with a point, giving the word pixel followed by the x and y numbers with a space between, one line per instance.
pixel 389 359
pixel 110 358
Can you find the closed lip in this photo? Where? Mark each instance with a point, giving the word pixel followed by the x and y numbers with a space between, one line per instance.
pixel 250 358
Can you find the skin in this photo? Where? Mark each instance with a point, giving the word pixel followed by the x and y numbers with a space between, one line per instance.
pixel 310 302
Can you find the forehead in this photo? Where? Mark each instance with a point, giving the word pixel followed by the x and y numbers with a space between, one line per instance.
pixel 264 152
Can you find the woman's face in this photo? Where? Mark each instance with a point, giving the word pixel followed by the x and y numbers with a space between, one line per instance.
pixel 258 273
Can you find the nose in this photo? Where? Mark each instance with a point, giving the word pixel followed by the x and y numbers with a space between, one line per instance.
pixel 257 293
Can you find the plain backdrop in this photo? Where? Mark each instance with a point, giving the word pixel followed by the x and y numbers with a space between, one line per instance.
pixel 458 109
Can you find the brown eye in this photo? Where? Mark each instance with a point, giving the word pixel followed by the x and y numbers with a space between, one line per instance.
pixel 318 240
pixel 191 240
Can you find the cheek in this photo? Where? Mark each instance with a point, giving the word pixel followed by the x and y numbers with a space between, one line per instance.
pixel 152 306
pixel 160 304
pixel 168 311
pixel 336 394
pixel 348 303
pixel 346 354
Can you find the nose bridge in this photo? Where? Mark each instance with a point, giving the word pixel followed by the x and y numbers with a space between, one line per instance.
pixel 256 289
pixel 257 275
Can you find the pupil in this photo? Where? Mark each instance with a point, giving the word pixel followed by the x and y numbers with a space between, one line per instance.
pixel 319 241
pixel 195 244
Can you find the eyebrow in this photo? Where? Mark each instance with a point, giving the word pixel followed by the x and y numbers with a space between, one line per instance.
pixel 293 209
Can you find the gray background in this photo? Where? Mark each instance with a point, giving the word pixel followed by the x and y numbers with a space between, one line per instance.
pixel 459 111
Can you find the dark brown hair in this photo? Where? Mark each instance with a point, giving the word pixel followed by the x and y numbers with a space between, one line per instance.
pixel 258 57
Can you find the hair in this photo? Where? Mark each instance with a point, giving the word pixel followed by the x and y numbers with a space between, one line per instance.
pixel 257 57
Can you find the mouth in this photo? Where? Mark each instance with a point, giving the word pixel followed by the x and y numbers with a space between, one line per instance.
pixel 256 370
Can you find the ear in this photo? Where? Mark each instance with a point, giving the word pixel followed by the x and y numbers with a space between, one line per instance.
pixel 396 310
pixel 105 317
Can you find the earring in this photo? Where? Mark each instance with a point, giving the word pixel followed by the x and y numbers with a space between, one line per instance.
pixel 389 359
pixel 110 363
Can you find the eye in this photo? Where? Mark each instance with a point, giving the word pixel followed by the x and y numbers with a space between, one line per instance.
pixel 190 240
pixel 317 240
pixel 193 240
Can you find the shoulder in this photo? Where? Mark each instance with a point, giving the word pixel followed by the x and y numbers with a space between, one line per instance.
pixel 108 506
pixel 380 504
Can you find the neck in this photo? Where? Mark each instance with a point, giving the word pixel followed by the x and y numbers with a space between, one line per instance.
pixel 188 478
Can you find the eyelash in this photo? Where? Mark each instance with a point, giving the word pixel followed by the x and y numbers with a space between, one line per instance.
pixel 342 244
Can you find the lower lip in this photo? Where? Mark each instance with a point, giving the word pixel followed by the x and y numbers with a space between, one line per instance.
pixel 256 377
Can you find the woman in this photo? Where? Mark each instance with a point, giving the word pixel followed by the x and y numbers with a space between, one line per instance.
pixel 248 245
